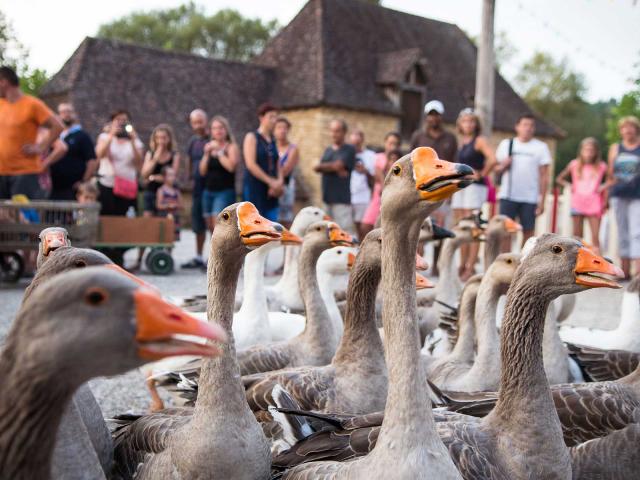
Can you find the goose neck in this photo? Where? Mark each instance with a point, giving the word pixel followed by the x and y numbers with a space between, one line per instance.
pixel 220 390
pixel 407 399
pixel 31 408
pixel 485 318
pixel 448 281
pixel 254 299
pixel 464 346
pixel 290 271
pixel 318 327
pixel 491 247
pixel 523 384
pixel 360 339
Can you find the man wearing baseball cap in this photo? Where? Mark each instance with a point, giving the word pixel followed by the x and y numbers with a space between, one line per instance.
pixel 432 134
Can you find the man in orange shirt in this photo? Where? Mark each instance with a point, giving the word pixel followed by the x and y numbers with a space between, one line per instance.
pixel 20 117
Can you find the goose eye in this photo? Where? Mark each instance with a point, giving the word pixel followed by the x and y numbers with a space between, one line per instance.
pixel 318 229
pixel 95 296
pixel 339 252
pixel 225 215
pixel 556 249
pixel 396 169
pixel 379 240
pixel 509 262
pixel 80 264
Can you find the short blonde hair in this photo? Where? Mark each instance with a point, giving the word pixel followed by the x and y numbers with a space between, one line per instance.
pixel 163 127
pixel 633 120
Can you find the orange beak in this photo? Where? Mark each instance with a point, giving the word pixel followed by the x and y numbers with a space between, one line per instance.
pixel 351 259
pixel 423 282
pixel 512 226
pixel 255 230
pixel 290 238
pixel 478 234
pixel 437 179
pixel 54 240
pixel 158 321
pixel 327 218
pixel 421 263
pixel 590 266
pixel 339 237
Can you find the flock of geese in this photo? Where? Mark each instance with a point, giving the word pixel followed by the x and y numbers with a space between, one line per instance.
pixel 390 379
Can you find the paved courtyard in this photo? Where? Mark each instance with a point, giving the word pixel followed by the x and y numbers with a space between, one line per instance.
pixel 127 393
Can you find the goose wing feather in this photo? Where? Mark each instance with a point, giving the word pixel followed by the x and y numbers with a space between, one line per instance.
pixel 311 388
pixel 264 358
pixel 148 434
pixel 615 457
pixel 592 410
pixel 604 365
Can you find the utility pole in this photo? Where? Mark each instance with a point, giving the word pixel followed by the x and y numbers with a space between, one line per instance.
pixel 485 71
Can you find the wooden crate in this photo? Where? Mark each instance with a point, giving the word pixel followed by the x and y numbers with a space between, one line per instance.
pixel 135 232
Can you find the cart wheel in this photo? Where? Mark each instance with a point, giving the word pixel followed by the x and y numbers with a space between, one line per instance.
pixel 148 260
pixel 160 262
pixel 11 267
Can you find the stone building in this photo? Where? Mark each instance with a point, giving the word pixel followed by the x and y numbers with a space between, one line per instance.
pixel 371 66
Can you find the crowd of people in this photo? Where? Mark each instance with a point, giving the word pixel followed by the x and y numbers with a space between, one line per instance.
pixel 47 155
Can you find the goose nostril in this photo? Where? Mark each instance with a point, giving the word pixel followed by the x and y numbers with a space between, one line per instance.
pixel 175 317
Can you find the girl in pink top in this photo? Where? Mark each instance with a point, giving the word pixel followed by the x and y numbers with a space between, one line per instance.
pixel 383 162
pixel 587 188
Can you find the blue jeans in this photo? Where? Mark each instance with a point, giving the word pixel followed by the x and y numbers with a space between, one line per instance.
pixel 213 202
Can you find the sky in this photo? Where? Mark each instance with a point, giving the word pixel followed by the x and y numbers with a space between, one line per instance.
pixel 598 38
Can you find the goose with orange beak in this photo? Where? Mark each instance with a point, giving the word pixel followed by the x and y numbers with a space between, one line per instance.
pixel 437 179
pixel 51 239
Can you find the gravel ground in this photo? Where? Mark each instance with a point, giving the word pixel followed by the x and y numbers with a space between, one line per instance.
pixel 124 393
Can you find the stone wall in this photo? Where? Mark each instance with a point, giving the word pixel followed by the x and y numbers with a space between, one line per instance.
pixel 310 131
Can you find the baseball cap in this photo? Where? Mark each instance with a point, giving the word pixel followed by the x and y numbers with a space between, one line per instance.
pixel 434 105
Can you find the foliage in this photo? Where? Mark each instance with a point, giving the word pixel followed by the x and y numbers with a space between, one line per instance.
pixel 504 51
pixel 14 54
pixel 556 92
pixel 629 104
pixel 187 28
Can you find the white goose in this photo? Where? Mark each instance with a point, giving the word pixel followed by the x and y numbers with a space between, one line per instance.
pixel 285 294
pixel 626 336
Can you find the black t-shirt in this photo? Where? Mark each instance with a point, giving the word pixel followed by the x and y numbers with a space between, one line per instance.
pixel 70 168
pixel 337 189
pixel 217 177
pixel 195 150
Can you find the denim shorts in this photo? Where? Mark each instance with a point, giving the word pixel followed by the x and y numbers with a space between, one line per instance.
pixel 149 202
pixel 523 212
pixel 213 202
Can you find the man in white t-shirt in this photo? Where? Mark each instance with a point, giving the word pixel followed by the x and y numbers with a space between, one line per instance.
pixel 525 175
pixel 362 178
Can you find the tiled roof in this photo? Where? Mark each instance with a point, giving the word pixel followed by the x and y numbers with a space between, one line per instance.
pixel 334 52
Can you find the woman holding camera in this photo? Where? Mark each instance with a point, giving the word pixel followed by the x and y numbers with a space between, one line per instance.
pixel 120 154
pixel 119 151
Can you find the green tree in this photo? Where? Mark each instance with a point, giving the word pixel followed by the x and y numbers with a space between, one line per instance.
pixel 557 92
pixel 629 104
pixel 14 54
pixel 187 28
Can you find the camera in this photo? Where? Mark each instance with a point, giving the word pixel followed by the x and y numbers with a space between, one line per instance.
pixel 125 131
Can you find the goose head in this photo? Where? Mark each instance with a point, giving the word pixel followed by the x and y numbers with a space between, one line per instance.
pixel 502 226
pixel 69 258
pixel 306 217
pixel 430 231
pixel 51 239
pixel 325 234
pixel 502 270
pixel 560 265
pixel 240 228
pixel 467 231
pixel 423 282
pixel 419 182
pixel 95 321
pixel 336 260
